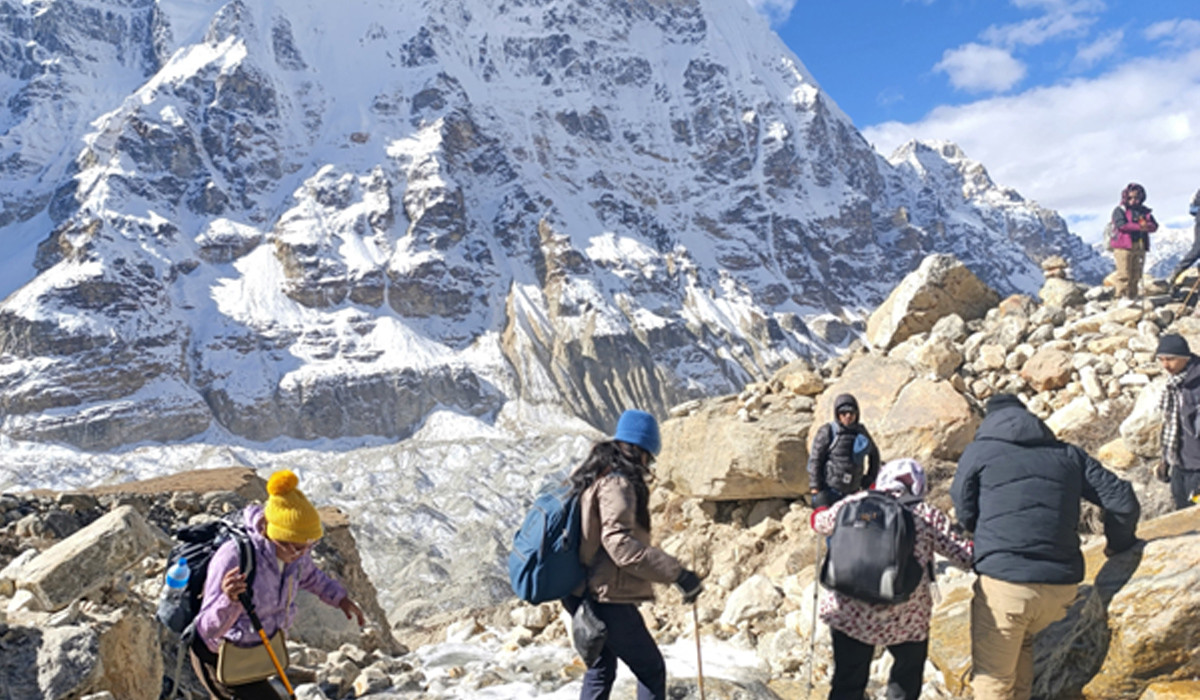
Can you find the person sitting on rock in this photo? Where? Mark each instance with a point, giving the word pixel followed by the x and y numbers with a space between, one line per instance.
pixel 858 626
pixel 282 534
pixel 844 458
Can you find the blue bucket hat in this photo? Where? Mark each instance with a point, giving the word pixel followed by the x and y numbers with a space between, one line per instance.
pixel 639 428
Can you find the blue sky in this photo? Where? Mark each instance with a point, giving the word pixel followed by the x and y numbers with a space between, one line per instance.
pixel 1064 100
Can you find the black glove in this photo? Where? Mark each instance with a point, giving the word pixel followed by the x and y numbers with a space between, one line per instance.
pixel 1162 472
pixel 689 583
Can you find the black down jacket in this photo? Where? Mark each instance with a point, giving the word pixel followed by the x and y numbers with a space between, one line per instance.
pixel 1018 489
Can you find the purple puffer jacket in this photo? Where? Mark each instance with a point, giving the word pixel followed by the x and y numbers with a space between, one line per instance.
pixel 274 602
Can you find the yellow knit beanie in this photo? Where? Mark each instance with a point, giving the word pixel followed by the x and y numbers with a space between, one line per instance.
pixel 290 517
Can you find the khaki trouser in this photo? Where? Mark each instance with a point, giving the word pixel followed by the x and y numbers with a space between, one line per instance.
pixel 1130 265
pixel 1005 618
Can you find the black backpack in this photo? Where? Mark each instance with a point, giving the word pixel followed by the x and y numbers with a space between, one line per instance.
pixel 197 544
pixel 871 553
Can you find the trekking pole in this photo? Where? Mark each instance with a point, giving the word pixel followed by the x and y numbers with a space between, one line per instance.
pixel 1195 286
pixel 812 630
pixel 244 597
pixel 699 664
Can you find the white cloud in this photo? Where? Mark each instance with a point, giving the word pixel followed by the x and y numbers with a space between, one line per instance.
pixel 1073 146
pixel 1103 47
pixel 978 68
pixel 1175 32
pixel 776 11
pixel 1059 23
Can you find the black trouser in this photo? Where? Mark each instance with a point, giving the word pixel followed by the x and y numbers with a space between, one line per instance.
pixel 1184 483
pixel 852 668
pixel 204 663
pixel 629 641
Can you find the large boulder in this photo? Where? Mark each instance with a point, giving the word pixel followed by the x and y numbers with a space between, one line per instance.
pixel 715 455
pixel 907 415
pixel 1140 429
pixel 90 558
pixel 130 660
pixel 53 664
pixel 1133 626
pixel 940 286
pixel 1048 369
pixel 1150 605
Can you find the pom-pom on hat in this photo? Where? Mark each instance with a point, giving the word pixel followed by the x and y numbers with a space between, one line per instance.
pixel 290 516
pixel 1173 345
pixel 639 428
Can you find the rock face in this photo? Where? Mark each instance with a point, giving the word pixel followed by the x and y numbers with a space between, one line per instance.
pixel 225 237
pixel 84 561
pixel 765 458
pixel 907 414
pixel 941 286
pixel 1119 638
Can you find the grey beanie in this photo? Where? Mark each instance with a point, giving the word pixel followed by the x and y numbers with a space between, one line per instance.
pixel 1174 345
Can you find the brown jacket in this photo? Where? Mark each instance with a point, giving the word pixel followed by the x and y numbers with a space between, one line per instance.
pixel 621 562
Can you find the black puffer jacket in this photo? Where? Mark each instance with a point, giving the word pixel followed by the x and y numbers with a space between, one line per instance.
pixel 1018 489
pixel 831 462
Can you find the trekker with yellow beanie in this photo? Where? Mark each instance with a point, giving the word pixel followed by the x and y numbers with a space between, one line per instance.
pixel 282 534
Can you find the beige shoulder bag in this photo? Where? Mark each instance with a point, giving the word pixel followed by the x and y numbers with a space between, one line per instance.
pixel 240 665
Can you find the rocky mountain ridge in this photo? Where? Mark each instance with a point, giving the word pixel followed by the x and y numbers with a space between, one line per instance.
pixel 237 234
pixel 726 501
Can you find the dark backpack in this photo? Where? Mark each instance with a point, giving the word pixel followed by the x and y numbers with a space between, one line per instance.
pixel 871 553
pixel 197 544
pixel 544 563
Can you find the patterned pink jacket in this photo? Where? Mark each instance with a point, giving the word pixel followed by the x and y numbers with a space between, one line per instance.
pixel 883 625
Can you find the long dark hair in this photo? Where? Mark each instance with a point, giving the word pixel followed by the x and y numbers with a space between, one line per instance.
pixel 612 456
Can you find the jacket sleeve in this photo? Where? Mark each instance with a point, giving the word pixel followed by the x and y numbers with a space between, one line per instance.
pixel 319 583
pixel 1152 223
pixel 618 506
pixel 1123 222
pixel 824 519
pixel 818 457
pixel 955 546
pixel 965 492
pixel 217 612
pixel 1116 497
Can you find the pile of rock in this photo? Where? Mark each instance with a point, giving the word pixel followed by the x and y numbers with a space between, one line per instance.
pixel 732 469
pixel 80 574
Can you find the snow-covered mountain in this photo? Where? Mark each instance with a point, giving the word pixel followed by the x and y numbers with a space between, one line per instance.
pixel 265 233
pixel 319 220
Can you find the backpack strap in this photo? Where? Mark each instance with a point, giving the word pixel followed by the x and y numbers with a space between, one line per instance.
pixel 246 557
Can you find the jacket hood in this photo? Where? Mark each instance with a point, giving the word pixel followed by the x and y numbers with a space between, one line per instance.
pixel 1012 422
pixel 845 401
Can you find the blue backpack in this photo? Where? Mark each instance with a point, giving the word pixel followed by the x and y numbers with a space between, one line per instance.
pixel 544 563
